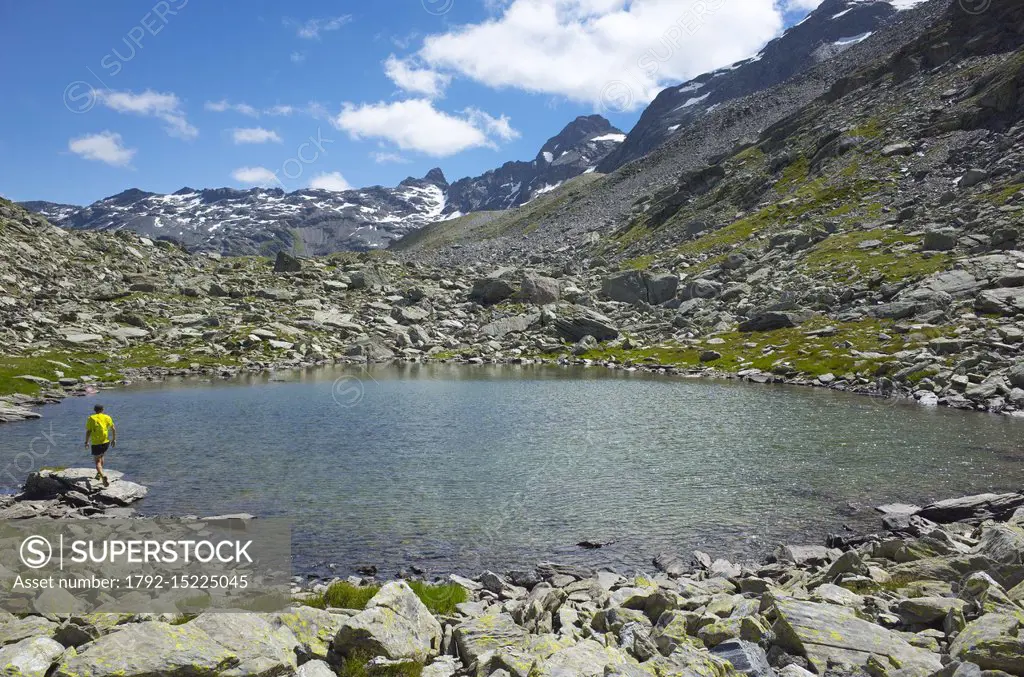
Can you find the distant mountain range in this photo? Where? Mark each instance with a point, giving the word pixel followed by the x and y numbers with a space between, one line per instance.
pixel 264 220
pixel 308 221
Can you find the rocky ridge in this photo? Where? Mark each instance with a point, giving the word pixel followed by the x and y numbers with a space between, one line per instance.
pixel 833 27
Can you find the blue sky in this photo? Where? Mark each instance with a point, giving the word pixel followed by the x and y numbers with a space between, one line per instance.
pixel 103 96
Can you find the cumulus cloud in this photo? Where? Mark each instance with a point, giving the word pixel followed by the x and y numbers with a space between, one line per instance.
pixel 254 135
pixel 416 125
pixel 254 176
pixel 104 147
pixel 312 28
pixel 330 181
pixel 582 49
pixel 164 107
pixel 415 80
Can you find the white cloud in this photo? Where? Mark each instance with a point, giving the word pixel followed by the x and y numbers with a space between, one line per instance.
pixel 593 50
pixel 224 105
pixel 330 181
pixel 165 107
pixel 500 126
pixel 297 57
pixel 415 124
pixel 104 147
pixel 254 135
pixel 795 5
pixel 385 158
pixel 311 29
pixel 254 176
pixel 415 80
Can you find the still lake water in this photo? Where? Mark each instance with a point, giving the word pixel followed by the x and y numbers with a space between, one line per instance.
pixel 465 468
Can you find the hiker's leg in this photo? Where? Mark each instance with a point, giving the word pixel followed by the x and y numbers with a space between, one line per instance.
pixel 99 464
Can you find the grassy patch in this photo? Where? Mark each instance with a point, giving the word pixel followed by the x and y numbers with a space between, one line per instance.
pixel 1001 196
pixel 790 349
pixel 355 665
pixel 872 128
pixel 842 256
pixel 793 175
pixel 77 365
pixel 440 599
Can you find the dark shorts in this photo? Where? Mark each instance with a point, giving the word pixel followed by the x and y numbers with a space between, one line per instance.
pixel 100 449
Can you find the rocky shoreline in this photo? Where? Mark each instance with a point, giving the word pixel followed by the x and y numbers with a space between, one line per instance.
pixel 938 592
pixel 125 307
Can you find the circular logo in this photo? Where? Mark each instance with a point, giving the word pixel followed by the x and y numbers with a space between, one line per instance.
pixel 437 7
pixel 616 96
pixel 348 391
pixel 975 6
pixel 36 552
pixel 79 96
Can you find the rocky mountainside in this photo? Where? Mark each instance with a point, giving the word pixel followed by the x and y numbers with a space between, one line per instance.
pixel 576 150
pixel 54 212
pixel 833 27
pixel 310 222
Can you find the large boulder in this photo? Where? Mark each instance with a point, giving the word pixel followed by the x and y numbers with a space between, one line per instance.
pixel 263 650
pixel 829 634
pixel 972 507
pixel 314 629
pixel 626 287
pixel 491 290
pixel 771 320
pixel 510 325
pixel 286 263
pixel 575 322
pixel 395 624
pixel 149 649
pixel 370 349
pixel 489 632
pixel 584 659
pixel 31 657
pixel 539 289
pixel 55 483
pixel 368 278
pixel 992 642
pixel 634 286
pixel 746 657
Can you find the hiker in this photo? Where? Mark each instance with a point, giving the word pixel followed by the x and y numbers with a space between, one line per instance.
pixel 101 433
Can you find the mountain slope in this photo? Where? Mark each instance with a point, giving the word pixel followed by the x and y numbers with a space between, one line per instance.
pixel 833 27
pixel 309 222
pixel 615 201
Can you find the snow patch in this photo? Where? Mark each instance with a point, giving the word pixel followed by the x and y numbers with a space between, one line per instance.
pixel 548 157
pixel 843 42
pixel 694 101
pixel 902 5
pixel 617 138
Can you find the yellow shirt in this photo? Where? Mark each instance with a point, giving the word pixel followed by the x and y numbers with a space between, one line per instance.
pixel 98 426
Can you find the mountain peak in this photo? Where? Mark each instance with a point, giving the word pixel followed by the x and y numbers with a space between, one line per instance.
pixel 578 130
pixel 436 176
